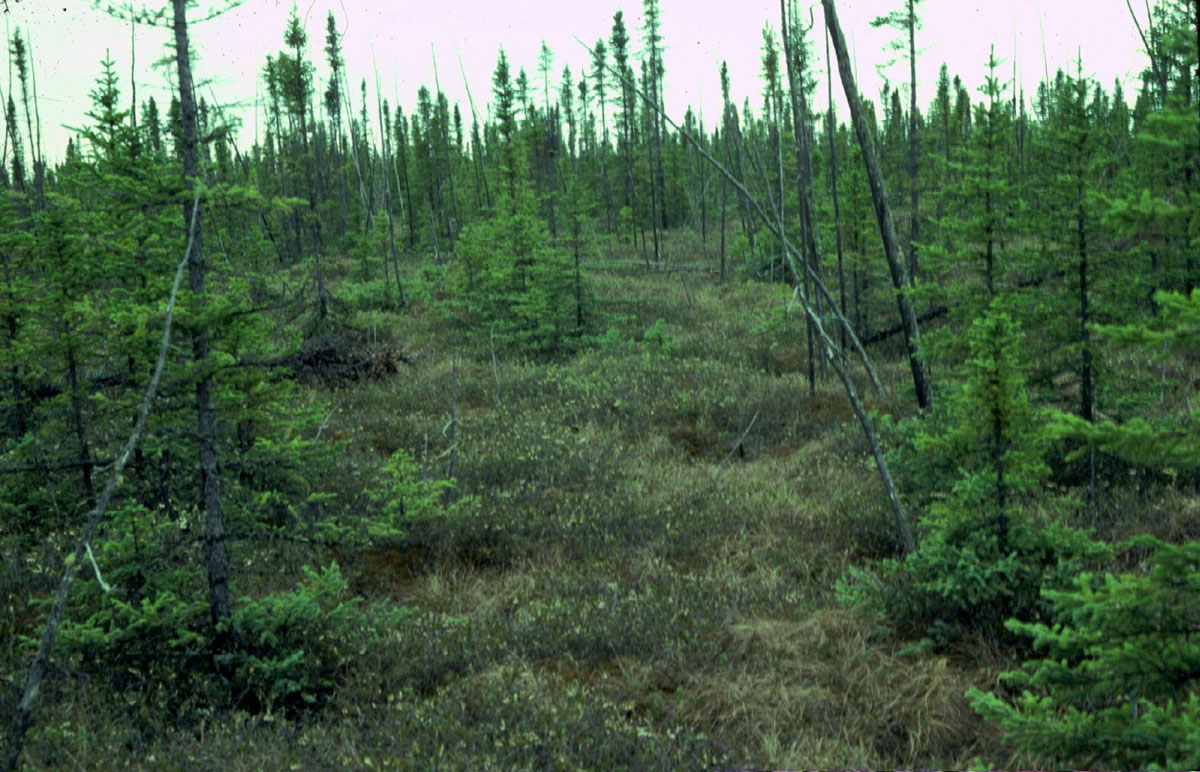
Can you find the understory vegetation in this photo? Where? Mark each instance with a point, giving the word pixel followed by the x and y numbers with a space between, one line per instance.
pixel 398 443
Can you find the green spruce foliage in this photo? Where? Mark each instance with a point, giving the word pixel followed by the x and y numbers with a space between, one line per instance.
pixel 1116 681
pixel 989 546
pixel 512 283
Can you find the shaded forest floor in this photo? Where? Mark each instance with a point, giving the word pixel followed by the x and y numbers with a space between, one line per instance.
pixel 629 586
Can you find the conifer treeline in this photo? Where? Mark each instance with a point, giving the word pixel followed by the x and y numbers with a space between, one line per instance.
pixel 1071 201
pixel 974 173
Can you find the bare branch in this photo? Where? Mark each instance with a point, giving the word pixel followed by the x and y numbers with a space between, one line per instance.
pixel 1159 75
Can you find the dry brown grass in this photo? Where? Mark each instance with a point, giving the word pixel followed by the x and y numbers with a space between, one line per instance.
pixel 619 582
pixel 826 692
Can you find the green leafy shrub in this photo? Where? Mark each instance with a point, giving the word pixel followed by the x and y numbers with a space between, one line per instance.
pixel 611 340
pixel 144 625
pixel 367 295
pixel 406 497
pixel 148 633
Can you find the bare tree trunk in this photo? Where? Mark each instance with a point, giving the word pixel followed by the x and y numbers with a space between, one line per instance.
pixel 741 159
pixel 627 153
pixel 85 455
pixel 40 168
pixel 796 73
pixel 339 166
pixel 402 151
pixel 315 224
pixel 1087 396
pixel 833 170
pixel 1159 73
pixel 475 141
pixel 887 228
pixel 1196 22
pixel 387 196
pixel 654 203
pixel 904 532
pixel 724 195
pixel 703 197
pixel 362 191
pixel 216 551
pixel 912 143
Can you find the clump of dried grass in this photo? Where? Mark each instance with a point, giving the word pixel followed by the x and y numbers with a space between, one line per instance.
pixel 828 692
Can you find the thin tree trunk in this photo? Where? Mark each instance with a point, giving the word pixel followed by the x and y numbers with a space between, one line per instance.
pixel 746 215
pixel 913 157
pixel 402 151
pixel 808 223
pixel 654 203
pixel 627 152
pixel 387 196
pixel 453 214
pixel 833 170
pixel 339 164
pixel 40 167
pixel 724 195
pixel 315 226
pixel 362 192
pixel 1159 73
pixel 41 661
pixel 475 134
pixel 703 200
pixel 887 228
pixel 1001 485
pixel 1196 22
pixel 904 532
pixel 1087 395
pixel 216 550
pixel 608 203
pixel 85 455
pixel 753 205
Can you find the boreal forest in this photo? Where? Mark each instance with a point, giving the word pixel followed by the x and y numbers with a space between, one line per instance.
pixel 555 431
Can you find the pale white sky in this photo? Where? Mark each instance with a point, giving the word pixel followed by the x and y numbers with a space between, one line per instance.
pixel 69 39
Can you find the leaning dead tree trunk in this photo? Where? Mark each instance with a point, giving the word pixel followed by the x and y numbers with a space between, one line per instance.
pixel 904 531
pixel 831 118
pixel 41 661
pixel 887 228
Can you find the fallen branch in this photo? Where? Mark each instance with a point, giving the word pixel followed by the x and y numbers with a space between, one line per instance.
pixel 936 312
pixel 62 467
pixel 738 444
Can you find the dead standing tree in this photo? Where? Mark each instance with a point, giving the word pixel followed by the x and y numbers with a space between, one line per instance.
pixel 794 53
pixel 887 227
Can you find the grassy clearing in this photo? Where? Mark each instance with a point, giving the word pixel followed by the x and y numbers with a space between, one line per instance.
pixel 631 590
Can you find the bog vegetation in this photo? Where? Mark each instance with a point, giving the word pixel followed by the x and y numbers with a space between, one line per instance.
pixel 578 438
